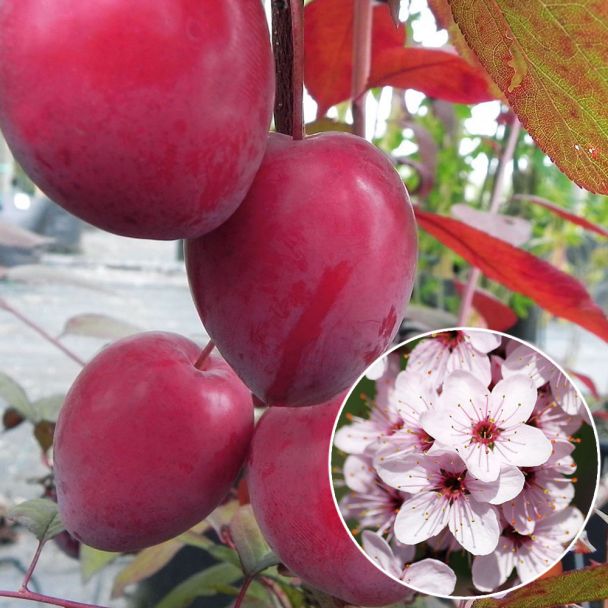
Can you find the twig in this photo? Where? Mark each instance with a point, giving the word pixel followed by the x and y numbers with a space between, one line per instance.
pixel 40 331
pixel 31 568
pixel 204 354
pixel 288 46
pixel 30 596
pixel 362 60
pixel 505 159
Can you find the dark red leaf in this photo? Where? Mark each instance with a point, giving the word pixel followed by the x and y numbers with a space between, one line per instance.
pixel 557 292
pixel 434 72
pixel 328 47
pixel 571 217
pixel 498 316
pixel 328 44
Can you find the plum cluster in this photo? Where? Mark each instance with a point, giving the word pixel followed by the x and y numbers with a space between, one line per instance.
pixel 151 120
pixel 467 450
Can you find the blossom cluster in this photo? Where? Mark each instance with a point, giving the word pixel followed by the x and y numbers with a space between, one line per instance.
pixel 469 448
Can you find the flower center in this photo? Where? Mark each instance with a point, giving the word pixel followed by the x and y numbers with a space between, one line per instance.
pixel 425 441
pixel 396 426
pixel 452 484
pixel 485 432
pixel 516 538
pixel 451 339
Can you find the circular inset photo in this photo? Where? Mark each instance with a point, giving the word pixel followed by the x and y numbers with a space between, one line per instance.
pixel 464 463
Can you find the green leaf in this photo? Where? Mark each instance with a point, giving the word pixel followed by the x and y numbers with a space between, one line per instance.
pixel 40 516
pixel 48 408
pixel 149 561
pixel 14 396
pixel 221 553
pixel 204 583
pixel 99 326
pixel 93 560
pixel 222 516
pixel 253 550
pixel 575 587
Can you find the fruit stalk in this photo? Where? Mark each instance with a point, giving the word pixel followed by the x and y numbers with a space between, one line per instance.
pixel 204 354
pixel 4 305
pixel 505 159
pixel 288 46
pixel 362 61
pixel 31 568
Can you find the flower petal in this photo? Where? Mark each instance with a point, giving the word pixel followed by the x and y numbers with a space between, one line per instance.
pixel 523 359
pixel 524 446
pixel 475 526
pixel 491 571
pixel 408 474
pixel 561 526
pixel 429 358
pixel 379 550
pixel 512 401
pixel 483 341
pixel 565 394
pixel 354 438
pixel 430 576
pixel 465 357
pixel 507 486
pixel 359 475
pixel 421 517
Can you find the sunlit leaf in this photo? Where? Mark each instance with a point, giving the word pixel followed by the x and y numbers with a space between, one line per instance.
pixel 574 587
pixel 514 230
pixel 563 213
pixel 329 50
pixel 40 516
pixel 202 584
pixel 253 550
pixel 13 395
pixel 99 326
pixel 549 60
pixel 93 560
pixel 149 561
pixel 557 292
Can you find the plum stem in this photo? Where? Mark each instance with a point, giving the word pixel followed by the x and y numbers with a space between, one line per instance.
pixel 4 305
pixel 30 596
pixel 200 362
pixel 31 568
pixel 288 46
pixel 362 61
pixel 243 592
pixel 509 144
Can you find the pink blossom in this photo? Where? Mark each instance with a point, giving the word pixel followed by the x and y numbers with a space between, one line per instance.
pixel 551 418
pixel 522 359
pixel 488 429
pixel 545 491
pixel 530 555
pixel 426 576
pixel 413 395
pixel 371 502
pixel 446 494
pixel 384 419
pixel 453 350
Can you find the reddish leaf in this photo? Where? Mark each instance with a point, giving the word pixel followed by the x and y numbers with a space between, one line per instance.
pixel 498 316
pixel 328 47
pixel 588 382
pixel 555 291
pixel 571 217
pixel 434 72
pixel 549 60
pixel 328 59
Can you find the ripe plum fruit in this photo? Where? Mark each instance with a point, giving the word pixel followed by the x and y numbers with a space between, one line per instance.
pixel 147 444
pixel 307 283
pixel 147 119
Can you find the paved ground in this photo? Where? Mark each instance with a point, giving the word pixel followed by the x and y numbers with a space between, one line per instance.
pixel 140 282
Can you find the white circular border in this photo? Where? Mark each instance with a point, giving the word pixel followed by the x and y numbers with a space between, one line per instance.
pixel 497 594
